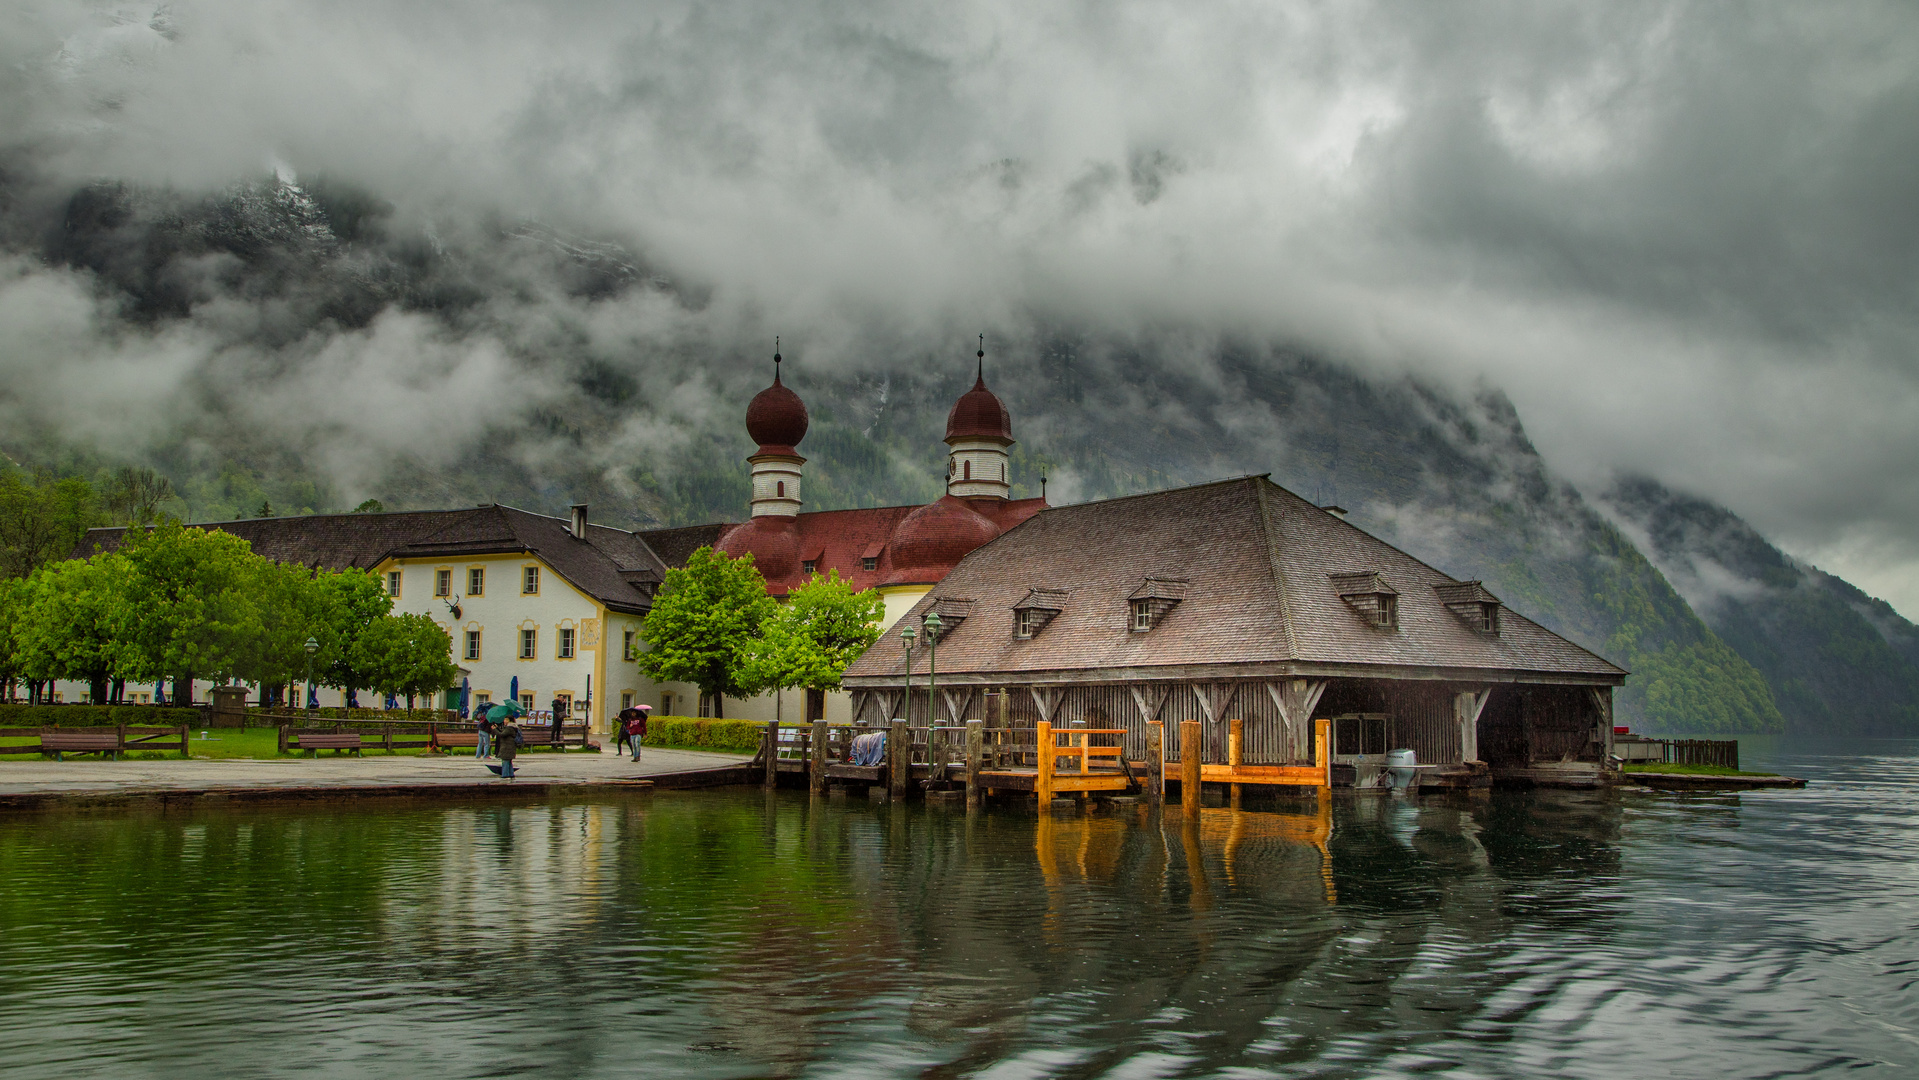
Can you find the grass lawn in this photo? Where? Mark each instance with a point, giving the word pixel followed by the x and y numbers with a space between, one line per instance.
pixel 251 743
pixel 1694 770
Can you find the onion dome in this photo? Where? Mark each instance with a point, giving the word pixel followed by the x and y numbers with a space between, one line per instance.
pixel 979 414
pixel 930 541
pixel 774 543
pixel 776 419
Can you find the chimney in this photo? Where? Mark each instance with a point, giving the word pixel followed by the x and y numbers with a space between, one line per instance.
pixel 579 521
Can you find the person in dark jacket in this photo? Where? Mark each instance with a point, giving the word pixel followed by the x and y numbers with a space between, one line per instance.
pixel 634 721
pixel 507 747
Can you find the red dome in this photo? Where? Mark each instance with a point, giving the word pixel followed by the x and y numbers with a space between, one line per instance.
pixel 978 414
pixel 773 541
pixel 777 417
pixel 931 540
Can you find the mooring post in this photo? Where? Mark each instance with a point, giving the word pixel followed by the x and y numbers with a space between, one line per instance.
pixel 975 750
pixel 996 719
pixel 1156 762
pixel 1189 755
pixel 1043 783
pixel 899 759
pixel 1236 750
pixel 772 755
pixel 1322 752
pixel 816 759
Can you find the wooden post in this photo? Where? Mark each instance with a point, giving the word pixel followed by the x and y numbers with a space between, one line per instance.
pixel 772 755
pixel 120 742
pixel 1043 784
pixel 1235 750
pixel 899 759
pixel 996 719
pixel 816 759
pixel 1323 752
pixel 936 754
pixel 975 750
pixel 283 736
pixel 1189 755
pixel 1156 762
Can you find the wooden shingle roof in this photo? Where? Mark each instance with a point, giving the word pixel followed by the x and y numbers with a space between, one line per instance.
pixel 1261 571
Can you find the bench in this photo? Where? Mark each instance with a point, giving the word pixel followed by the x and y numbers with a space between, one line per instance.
pixel 444 740
pixel 60 743
pixel 311 741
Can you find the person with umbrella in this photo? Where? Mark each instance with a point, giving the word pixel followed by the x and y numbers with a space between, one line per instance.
pixel 632 728
pixel 506 738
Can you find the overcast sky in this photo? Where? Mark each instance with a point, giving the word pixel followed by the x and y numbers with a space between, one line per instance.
pixel 1681 237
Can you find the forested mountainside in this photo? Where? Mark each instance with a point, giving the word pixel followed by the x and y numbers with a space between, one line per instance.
pixel 346 356
pixel 1837 659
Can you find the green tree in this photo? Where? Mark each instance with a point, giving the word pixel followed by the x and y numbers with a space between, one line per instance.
pixel 292 606
pixel 704 626
pixel 350 601
pixel 13 599
pixel 406 654
pixel 41 520
pixel 135 496
pixel 192 607
pixel 68 620
pixel 820 628
pixel 371 506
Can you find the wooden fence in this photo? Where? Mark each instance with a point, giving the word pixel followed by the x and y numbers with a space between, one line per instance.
pixel 1640 750
pixel 117 740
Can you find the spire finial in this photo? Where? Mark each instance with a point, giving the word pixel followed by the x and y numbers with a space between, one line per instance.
pixel 981 376
pixel 776 359
pixel 1042 488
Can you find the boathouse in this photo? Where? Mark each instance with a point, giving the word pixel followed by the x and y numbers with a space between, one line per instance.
pixel 1252 611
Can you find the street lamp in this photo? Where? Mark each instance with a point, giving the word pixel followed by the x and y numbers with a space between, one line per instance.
pixel 906 641
pixel 932 624
pixel 312 647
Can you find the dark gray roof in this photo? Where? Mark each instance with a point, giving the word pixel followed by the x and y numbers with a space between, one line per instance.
pixel 615 567
pixel 675 546
pixel 1262 571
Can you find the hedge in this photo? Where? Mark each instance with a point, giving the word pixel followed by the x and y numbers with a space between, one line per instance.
pixel 738 736
pixel 31 716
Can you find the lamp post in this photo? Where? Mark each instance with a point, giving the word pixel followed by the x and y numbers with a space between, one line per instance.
pixel 906 641
pixel 312 647
pixel 932 624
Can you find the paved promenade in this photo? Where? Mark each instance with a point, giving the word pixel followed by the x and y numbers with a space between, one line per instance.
pixel 358 774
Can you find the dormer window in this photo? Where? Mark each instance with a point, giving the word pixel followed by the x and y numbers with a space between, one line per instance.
pixel 1367 593
pixel 1473 604
pixel 869 564
pixel 809 567
pixel 1036 609
pixel 1155 597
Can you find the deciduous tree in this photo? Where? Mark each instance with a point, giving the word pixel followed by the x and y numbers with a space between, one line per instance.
pixel 819 629
pixel 704 625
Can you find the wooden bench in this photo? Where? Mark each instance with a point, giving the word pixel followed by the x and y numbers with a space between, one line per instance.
pixel 60 743
pixel 311 741
pixel 444 740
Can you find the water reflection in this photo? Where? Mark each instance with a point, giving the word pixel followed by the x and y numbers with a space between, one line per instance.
pixel 740 934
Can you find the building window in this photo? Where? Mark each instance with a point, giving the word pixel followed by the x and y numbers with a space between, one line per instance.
pixel 966 470
pixel 626 700
pixel 1489 618
pixel 809 567
pixel 1388 613
pixel 816 704
pixel 530 581
pixel 526 702
pixel 869 563
pixel 1142 615
pixel 443 583
pixel 393 583
pixel 529 643
pixel 483 700
pixel 476 581
pixel 779 489
pixel 666 704
pixel 626 649
pixel 472 644
pixel 566 643
pixel 1025 621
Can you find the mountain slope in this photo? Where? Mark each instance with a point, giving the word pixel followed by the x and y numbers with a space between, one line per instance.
pixel 1837 659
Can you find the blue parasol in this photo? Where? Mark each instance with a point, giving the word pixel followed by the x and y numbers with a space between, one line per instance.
pixel 391 703
pixel 160 693
pixel 313 696
pixel 513 692
pixel 463 693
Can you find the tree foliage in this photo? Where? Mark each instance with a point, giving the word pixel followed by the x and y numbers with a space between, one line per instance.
pixel 405 655
pixel 136 496
pixel 705 624
pixel 41 520
pixel 822 627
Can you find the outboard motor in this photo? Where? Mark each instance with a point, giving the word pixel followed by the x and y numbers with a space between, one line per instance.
pixel 1401 765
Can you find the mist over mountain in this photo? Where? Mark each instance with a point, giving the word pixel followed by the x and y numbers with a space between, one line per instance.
pixel 438 254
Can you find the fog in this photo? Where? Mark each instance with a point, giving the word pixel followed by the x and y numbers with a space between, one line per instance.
pixel 1682 238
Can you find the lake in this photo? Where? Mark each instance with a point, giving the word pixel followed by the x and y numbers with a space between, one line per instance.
pixel 735 934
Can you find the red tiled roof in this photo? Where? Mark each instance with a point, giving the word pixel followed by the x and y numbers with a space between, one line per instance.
pixel 1259 566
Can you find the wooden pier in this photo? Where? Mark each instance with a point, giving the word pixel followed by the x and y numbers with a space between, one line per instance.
pixel 1049 762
